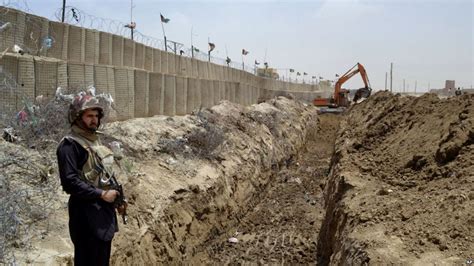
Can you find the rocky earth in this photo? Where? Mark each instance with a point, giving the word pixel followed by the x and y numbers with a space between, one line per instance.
pixel 187 179
pixel 389 182
pixel 401 185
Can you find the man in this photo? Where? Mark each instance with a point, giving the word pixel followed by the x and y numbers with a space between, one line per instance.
pixel 85 168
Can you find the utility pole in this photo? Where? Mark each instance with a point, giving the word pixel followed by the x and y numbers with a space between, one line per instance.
pixel 386 80
pixel 403 85
pixel 391 76
pixel 64 11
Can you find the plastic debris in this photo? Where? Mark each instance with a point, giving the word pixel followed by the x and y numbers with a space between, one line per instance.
pixel 9 135
pixel 5 26
pixel 18 49
pixel 233 240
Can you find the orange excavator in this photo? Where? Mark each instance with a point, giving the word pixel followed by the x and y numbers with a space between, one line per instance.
pixel 341 96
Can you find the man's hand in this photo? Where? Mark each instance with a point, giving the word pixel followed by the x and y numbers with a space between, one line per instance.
pixel 122 209
pixel 109 195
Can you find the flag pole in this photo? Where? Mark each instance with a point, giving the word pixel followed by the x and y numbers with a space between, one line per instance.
pixel 192 47
pixel 64 10
pixel 131 19
pixel 164 35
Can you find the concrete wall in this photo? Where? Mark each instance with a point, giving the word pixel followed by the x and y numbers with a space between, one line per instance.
pixel 143 80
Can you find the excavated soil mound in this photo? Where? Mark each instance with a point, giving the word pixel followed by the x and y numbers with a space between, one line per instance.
pixel 188 180
pixel 401 187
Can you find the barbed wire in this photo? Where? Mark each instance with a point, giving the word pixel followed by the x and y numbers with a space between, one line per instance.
pixel 27 195
pixel 78 17
pixel 17 4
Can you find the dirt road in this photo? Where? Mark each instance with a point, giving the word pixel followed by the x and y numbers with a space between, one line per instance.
pixel 281 226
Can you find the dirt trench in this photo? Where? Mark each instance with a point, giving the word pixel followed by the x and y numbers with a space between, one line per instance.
pixel 258 186
pixel 396 190
pixel 280 225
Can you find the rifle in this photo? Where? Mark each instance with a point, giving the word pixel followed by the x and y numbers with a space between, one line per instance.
pixel 120 200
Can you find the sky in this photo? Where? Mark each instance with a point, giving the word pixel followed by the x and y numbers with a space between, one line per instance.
pixel 428 41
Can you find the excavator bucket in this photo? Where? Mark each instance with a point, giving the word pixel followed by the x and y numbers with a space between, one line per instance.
pixel 362 93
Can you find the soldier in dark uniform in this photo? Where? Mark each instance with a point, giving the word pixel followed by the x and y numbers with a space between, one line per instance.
pixel 84 164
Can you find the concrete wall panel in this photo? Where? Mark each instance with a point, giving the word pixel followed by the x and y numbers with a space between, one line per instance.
pixel 156 94
pixel 124 90
pixel 59 32
pixel 194 68
pixel 15 34
pixel 36 30
pixel 164 62
pixel 26 78
pixel 75 44
pixel 141 93
pixel 216 92
pixel 92 46
pixel 128 52
pixel 156 60
pixel 181 95
pixel 194 95
pixel 117 50
pixel 172 63
pixel 8 73
pixel 105 48
pixel 149 58
pixel 139 56
pixel 88 75
pixel 169 105
pixel 46 77
pixel 207 93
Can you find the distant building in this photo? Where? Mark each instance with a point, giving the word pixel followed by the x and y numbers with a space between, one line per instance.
pixel 450 87
pixel 268 73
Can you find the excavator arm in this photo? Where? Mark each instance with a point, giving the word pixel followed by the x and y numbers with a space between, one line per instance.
pixel 339 94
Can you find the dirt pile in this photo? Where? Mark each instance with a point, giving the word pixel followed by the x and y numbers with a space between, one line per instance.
pixel 179 200
pixel 401 184
pixel 187 178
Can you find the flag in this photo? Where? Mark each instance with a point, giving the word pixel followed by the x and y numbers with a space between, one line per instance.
pixel 244 52
pixel 265 64
pixel 321 78
pixel 298 73
pixel 292 70
pixel 131 25
pixel 257 63
pixel 337 75
pixel 181 52
pixel 196 49
pixel 228 60
pixel 211 46
pixel 163 19
pixel 304 73
pixel 313 77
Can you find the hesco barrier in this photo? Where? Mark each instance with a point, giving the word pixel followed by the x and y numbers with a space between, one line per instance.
pixel 144 81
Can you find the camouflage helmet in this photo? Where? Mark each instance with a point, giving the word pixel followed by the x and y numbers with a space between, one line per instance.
pixel 82 102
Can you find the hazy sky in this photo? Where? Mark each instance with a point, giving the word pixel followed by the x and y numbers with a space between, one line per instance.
pixel 428 41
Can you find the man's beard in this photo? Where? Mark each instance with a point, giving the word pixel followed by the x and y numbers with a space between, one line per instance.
pixel 91 127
